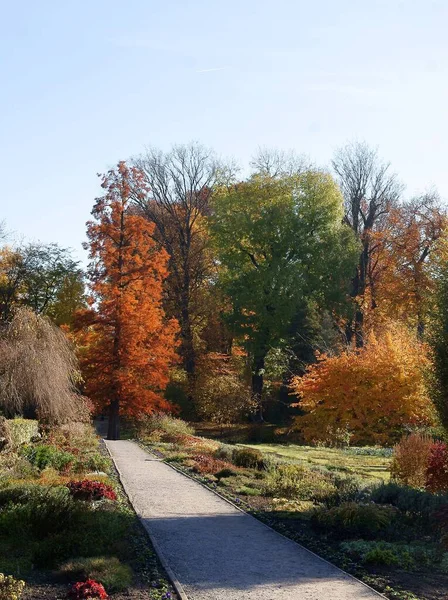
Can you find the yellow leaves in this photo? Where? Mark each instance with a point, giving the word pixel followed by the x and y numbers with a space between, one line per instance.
pixel 374 391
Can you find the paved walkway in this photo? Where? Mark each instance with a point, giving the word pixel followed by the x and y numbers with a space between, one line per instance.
pixel 216 551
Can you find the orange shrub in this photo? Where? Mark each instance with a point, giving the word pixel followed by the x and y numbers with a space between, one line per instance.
pixel 373 392
pixel 410 460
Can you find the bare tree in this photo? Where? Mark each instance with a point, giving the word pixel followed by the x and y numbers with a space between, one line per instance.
pixel 279 163
pixel 178 188
pixel 38 370
pixel 370 191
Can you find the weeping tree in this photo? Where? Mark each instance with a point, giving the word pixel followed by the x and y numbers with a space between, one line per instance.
pixel 38 371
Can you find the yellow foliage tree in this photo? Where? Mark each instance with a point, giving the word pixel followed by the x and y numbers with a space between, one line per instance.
pixel 373 392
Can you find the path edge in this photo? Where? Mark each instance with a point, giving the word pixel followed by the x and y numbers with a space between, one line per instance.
pixel 164 562
pixel 379 594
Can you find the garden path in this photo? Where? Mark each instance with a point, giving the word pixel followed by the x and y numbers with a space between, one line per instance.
pixel 216 551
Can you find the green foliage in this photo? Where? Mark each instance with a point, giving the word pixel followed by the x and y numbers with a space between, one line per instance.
pixel 412 556
pixel 353 520
pixel 280 241
pixel 248 491
pixel 10 588
pixel 226 472
pixel 247 457
pixel 107 570
pixel 43 456
pixel 22 431
pixel 163 427
pixel 224 452
pixel 298 483
pixel 416 503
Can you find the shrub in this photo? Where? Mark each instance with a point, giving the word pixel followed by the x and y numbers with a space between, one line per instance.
pixel 417 503
pixel 224 452
pixel 226 472
pixel 5 434
pixel 248 457
pixel 248 491
pixel 163 427
pixel 374 391
pixel 107 570
pixel 437 472
pixel 91 461
pixel 441 518
pixel 298 482
pixel 410 460
pixel 40 512
pixel 353 520
pixel 346 489
pixel 203 463
pixel 10 588
pixel 22 431
pixel 43 456
pixel 87 590
pixel 91 490
pixel 406 556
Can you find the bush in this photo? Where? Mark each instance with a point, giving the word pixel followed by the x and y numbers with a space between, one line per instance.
pixel 22 431
pixel 163 427
pixel 107 570
pixel 43 456
pixel 406 556
pixel 226 472
pixel 416 503
pixel 346 489
pixel 298 483
pixel 203 463
pixel 437 472
pixel 10 588
pixel 91 490
pixel 410 460
pixel 224 452
pixel 353 520
pixel 87 590
pixel 248 457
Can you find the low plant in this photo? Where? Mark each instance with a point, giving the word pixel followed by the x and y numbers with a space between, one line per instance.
pixel 22 431
pixel 203 463
pixel 297 482
pixel 87 590
pixel 107 570
pixel 409 556
pixel 226 472
pixel 10 588
pixel 163 427
pixel 248 457
pixel 224 452
pixel 353 520
pixel 437 471
pixel 43 455
pixel 415 503
pixel 410 460
pixel 89 490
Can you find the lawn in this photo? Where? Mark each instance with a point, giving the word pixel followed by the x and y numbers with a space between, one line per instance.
pixel 355 461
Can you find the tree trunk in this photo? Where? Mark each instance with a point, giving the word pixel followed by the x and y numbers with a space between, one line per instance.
pixel 113 429
pixel 257 386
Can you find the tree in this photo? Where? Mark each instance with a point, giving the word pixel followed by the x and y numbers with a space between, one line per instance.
pixel 43 277
pixel 370 191
pixel 175 195
pixel 127 345
pixel 406 260
pixel 279 241
pixel 38 370
pixel 373 392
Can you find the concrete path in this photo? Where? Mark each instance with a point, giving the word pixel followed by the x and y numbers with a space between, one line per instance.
pixel 216 551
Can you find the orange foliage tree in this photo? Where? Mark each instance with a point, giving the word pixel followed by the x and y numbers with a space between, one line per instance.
pixel 373 392
pixel 126 343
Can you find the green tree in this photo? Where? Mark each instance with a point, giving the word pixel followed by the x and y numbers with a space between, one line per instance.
pixel 280 241
pixel 43 277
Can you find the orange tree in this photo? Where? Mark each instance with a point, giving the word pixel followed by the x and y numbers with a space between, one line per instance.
pixel 373 392
pixel 126 343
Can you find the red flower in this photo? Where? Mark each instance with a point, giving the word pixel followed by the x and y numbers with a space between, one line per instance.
pixel 87 589
pixel 91 490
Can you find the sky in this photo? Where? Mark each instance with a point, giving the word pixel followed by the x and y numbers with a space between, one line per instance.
pixel 86 83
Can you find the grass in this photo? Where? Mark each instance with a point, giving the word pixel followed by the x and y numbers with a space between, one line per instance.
pixel 345 461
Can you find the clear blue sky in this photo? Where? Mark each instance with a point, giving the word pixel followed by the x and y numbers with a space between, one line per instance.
pixel 85 83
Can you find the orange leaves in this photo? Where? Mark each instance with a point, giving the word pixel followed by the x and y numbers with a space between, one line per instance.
pixel 373 392
pixel 126 344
